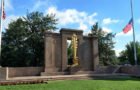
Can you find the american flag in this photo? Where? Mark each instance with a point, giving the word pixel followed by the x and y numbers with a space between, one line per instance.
pixel 128 26
pixel 3 12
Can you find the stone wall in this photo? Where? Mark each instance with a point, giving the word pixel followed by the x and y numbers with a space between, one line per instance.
pixel 24 71
pixel 118 69
pixel 130 69
pixel 108 69
pixel 3 73
pixel 8 72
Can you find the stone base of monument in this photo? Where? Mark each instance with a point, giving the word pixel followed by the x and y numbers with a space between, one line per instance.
pixel 66 73
pixel 76 70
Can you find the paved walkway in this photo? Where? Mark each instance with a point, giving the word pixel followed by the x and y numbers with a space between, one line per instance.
pixel 70 77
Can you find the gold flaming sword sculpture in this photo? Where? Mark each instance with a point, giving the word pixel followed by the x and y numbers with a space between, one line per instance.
pixel 74 49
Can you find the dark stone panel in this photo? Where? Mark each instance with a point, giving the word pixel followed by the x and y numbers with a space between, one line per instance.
pixel 86 55
pixel 95 54
pixel 58 52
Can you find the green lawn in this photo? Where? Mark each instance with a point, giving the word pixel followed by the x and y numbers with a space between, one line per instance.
pixel 106 84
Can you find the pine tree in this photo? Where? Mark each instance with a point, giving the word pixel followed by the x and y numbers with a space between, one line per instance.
pixel 105 43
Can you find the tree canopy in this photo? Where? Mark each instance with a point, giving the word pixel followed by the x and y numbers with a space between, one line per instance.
pixel 127 56
pixel 105 43
pixel 23 40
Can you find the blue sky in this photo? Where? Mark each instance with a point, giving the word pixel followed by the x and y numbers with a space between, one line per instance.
pixel 112 15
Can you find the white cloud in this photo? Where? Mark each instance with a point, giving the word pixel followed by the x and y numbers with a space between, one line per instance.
pixel 117 51
pixel 109 21
pixel 138 21
pixel 7 5
pixel 72 16
pixel 107 30
pixel 87 32
pixel 39 3
pixel 8 20
pixel 83 26
pixel 106 21
pixel 51 10
pixel 127 34
pixel 120 34
pixel 91 20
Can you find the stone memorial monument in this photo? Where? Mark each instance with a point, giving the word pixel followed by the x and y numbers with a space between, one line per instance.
pixel 84 48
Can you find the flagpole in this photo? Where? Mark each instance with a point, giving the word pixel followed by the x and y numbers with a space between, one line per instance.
pixel 135 55
pixel 1 26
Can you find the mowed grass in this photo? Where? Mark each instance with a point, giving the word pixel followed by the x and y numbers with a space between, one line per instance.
pixel 106 84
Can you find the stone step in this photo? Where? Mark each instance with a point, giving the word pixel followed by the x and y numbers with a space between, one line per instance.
pixel 82 72
pixel 66 73
pixel 54 73
pixel 71 77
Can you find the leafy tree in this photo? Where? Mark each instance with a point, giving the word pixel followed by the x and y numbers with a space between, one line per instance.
pixel 23 41
pixel 128 54
pixel 13 42
pixel 105 42
pixel 123 58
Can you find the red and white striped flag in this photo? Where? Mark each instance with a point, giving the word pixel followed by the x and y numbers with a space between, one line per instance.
pixel 3 12
pixel 128 26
